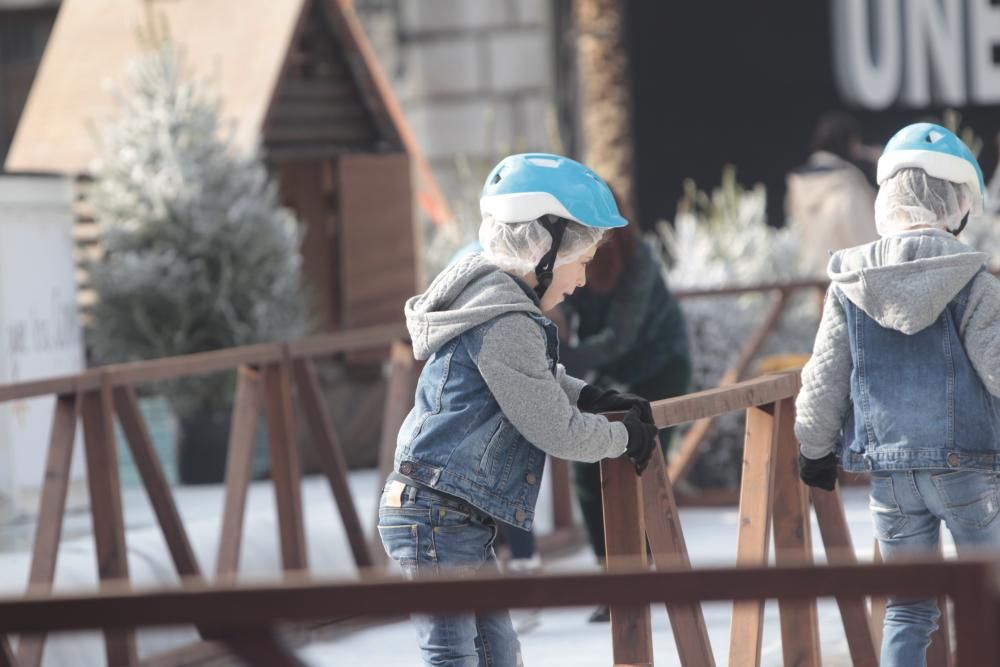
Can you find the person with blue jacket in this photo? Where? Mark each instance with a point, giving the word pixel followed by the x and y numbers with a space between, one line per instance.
pixel 492 400
pixel 904 378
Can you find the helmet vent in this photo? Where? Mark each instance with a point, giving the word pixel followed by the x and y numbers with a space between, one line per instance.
pixel 544 162
pixel 933 136
pixel 496 178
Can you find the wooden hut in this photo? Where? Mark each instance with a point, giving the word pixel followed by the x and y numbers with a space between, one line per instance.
pixel 297 79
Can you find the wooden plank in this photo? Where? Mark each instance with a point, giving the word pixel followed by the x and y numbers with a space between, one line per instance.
pixel 106 510
pixel 331 458
pixel 793 544
pixel 716 292
pixel 261 647
pixel 286 474
pixel 759 453
pixel 694 440
pixel 382 335
pixel 52 508
pixel 625 543
pixel 239 466
pixel 562 493
pixel 666 543
pixel 202 363
pixel 712 402
pixel 155 481
pixel 231 606
pixel 832 523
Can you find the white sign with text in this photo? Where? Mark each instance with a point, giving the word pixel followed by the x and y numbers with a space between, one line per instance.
pixel 39 326
pixel 916 53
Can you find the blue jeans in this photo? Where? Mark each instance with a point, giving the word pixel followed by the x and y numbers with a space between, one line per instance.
pixel 430 532
pixel 907 509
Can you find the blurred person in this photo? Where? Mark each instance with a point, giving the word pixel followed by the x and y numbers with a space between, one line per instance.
pixel 904 378
pixel 493 400
pixel 830 202
pixel 630 335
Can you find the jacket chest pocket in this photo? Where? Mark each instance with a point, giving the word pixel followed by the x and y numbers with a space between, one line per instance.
pixel 498 457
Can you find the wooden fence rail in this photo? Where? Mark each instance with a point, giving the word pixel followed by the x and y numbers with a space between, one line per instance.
pixel 230 610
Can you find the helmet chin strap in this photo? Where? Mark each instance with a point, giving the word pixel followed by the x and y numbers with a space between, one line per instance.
pixel 961 226
pixel 555 226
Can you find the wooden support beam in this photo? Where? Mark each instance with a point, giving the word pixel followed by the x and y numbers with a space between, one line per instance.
pixel 331 458
pixel 52 508
pixel 562 493
pixel 106 510
pixel 155 481
pixel 625 542
pixel 666 543
pixel 261 647
pixel 286 474
pixel 239 467
pixel 840 551
pixel 754 527
pixel 793 543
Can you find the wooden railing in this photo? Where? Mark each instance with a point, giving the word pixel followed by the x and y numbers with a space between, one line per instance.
pixel 637 511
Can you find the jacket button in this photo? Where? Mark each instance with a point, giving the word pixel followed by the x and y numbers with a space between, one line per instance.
pixel 953 460
pixel 530 478
pixel 520 515
pixel 406 468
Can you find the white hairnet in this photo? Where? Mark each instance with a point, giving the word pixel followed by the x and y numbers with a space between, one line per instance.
pixel 518 247
pixel 910 199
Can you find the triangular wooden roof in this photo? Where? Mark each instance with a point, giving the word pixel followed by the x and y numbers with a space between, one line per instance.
pixel 246 47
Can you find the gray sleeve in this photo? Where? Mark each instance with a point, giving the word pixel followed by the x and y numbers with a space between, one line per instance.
pixel 571 385
pixel 980 330
pixel 513 363
pixel 825 396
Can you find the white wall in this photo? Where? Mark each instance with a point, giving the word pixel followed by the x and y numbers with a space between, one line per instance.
pixel 39 327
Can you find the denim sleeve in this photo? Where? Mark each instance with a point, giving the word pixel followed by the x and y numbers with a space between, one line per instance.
pixel 980 330
pixel 825 396
pixel 514 365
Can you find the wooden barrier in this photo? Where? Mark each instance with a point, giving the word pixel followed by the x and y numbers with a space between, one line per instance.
pixel 237 613
pixel 269 378
pixel 771 500
pixel 264 381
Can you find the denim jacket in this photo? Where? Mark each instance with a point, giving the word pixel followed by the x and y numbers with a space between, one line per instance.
pixel 492 399
pixel 903 372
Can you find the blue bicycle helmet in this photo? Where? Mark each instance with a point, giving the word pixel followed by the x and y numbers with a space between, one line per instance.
pixel 938 152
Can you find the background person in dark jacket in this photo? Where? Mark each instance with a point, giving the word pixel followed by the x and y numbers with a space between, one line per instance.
pixel 628 334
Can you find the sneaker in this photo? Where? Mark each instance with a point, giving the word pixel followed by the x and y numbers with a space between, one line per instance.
pixel 525 620
pixel 601 615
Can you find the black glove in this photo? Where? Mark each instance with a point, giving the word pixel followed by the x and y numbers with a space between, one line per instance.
pixel 593 399
pixel 821 473
pixel 641 438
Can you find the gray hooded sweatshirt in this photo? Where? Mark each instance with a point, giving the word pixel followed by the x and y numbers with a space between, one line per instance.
pixel 512 359
pixel 903 282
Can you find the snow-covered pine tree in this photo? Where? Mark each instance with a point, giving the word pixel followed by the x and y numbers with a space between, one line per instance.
pixel 198 253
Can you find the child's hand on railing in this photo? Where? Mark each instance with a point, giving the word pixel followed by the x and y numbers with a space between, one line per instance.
pixel 821 473
pixel 641 437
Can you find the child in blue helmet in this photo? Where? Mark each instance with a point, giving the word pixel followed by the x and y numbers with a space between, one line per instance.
pixel 905 372
pixel 493 400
